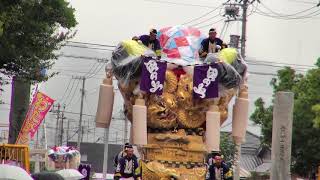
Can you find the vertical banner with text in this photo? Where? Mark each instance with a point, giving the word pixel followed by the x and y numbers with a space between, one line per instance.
pixel 153 76
pixel 205 81
pixel 38 109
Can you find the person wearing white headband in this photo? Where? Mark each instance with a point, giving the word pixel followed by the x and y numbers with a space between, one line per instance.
pixel 212 44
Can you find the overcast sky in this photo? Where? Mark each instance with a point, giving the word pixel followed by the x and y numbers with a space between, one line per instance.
pixel 294 41
pixel 108 22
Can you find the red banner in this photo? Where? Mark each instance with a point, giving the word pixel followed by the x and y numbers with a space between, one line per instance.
pixel 38 109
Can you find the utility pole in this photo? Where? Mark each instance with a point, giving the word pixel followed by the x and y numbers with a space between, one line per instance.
pixel 232 13
pixel 88 131
pixel 94 135
pixel 68 126
pixel 37 163
pixel 80 132
pixel 45 135
pixel 57 123
pixel 61 126
pixel 244 28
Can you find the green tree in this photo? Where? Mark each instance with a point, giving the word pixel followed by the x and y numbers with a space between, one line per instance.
pixel 29 35
pixel 227 147
pixel 305 133
pixel 263 116
pixel 31 32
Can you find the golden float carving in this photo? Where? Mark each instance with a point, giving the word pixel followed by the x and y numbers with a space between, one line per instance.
pixel 184 91
pixel 176 104
pixel 171 151
pixel 175 147
pixel 171 82
pixel 157 171
pixel 161 111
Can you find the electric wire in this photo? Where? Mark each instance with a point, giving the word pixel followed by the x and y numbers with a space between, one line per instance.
pixel 76 46
pixel 66 90
pixel 202 16
pixel 73 95
pixel 180 4
pixel 287 15
pixel 92 44
pixel 201 27
pixel 64 99
pixel 294 16
pixel 205 20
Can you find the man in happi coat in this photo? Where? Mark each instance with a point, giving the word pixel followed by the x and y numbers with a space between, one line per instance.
pixel 122 154
pixel 212 44
pixel 218 169
pixel 152 42
pixel 128 166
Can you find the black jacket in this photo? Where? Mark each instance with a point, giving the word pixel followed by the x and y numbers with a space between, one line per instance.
pixel 212 173
pixel 205 44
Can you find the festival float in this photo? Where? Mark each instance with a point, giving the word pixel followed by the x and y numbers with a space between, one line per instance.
pixel 176 103
pixel 62 157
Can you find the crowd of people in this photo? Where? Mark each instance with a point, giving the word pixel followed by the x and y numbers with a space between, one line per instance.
pixel 127 166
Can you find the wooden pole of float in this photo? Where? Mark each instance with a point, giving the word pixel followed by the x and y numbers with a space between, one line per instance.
pixel 104 114
pixel 239 125
pixel 213 129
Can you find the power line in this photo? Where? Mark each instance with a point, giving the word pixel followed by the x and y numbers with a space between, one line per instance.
pixel 278 66
pixel 76 102
pixel 287 15
pixel 87 103
pixel 252 62
pixel 293 16
pixel 224 31
pixel 66 89
pixel 84 57
pixel 211 23
pixel 71 75
pixel 93 90
pixel 203 15
pixel 93 69
pixel 205 20
pixel 93 66
pixel 277 62
pixel 73 81
pixel 85 47
pixel 308 16
pixel 181 4
pixel 254 9
pixel 70 70
pixel 90 115
pixel 96 73
pixel 304 2
pixel 262 74
pixel 93 44
pixel 74 92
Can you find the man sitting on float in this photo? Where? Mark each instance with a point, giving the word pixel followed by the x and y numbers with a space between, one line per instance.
pixel 212 44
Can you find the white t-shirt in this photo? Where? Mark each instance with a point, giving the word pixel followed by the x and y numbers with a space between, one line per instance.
pixel 217 173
